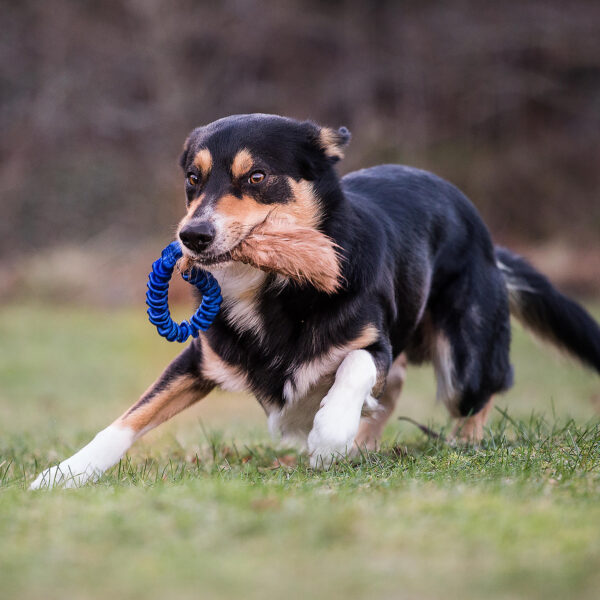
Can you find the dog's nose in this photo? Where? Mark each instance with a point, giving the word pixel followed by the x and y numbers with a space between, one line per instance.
pixel 197 236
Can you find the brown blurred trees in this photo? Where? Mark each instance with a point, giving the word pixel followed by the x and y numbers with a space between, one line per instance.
pixel 502 98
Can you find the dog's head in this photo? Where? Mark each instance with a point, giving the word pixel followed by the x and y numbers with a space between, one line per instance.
pixel 253 194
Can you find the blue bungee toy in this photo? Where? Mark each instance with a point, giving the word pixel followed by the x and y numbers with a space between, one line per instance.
pixel 157 297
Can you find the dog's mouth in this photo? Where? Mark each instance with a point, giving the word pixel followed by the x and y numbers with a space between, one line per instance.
pixel 213 259
pixel 191 259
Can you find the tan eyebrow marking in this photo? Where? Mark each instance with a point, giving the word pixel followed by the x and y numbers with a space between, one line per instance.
pixel 242 163
pixel 203 161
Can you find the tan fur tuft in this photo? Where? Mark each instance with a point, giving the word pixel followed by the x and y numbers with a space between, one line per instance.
pixel 186 263
pixel 295 251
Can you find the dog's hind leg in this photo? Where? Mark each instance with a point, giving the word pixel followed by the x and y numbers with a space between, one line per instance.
pixel 464 388
pixel 178 387
pixel 371 426
pixel 469 430
pixel 471 365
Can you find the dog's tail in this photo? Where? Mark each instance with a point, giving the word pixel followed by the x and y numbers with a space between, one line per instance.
pixel 542 308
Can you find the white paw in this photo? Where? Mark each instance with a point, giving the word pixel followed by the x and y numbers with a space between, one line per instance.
pixel 67 474
pixel 105 450
pixel 331 437
pixel 323 457
pixel 325 451
pixel 336 423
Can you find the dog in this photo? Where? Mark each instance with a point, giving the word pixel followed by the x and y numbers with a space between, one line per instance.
pixel 331 286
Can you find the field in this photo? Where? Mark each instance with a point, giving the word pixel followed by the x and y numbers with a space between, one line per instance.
pixel 209 506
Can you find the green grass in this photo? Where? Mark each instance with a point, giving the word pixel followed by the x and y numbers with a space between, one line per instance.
pixel 203 507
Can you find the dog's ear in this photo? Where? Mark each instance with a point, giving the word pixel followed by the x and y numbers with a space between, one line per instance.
pixel 184 156
pixel 333 141
pixel 321 148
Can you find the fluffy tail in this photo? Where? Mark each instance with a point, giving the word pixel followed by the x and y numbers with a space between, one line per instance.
pixel 548 313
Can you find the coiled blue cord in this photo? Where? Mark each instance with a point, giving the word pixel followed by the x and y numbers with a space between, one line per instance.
pixel 157 297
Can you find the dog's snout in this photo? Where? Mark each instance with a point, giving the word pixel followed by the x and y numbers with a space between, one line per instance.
pixel 197 236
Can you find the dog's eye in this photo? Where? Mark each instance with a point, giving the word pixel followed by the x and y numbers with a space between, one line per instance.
pixel 256 177
pixel 192 179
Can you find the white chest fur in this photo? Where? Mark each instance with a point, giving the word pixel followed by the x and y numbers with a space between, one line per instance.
pixel 240 285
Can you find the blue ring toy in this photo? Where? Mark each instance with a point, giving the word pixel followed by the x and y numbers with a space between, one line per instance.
pixel 157 297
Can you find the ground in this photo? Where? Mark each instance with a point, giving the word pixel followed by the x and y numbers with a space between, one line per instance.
pixel 208 506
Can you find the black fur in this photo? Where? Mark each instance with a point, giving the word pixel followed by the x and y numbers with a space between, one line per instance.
pixel 417 263
pixel 550 314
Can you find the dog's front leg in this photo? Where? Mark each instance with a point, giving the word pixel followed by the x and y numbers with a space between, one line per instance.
pixel 180 385
pixel 336 422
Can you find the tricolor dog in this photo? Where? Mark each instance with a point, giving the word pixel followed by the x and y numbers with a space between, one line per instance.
pixel 331 286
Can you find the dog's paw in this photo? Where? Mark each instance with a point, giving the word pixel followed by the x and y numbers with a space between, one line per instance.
pixel 68 474
pixel 324 457
pixel 331 438
pixel 104 451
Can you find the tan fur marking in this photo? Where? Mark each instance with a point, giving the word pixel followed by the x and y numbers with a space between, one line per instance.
pixel 194 204
pixel 179 394
pixel 470 429
pixel 368 336
pixel 444 371
pixel 304 210
pixel 245 211
pixel 242 163
pixel 203 161
pixel 214 368
pixel 313 371
pixel 330 142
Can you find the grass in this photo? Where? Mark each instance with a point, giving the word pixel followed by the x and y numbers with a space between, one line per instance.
pixel 208 506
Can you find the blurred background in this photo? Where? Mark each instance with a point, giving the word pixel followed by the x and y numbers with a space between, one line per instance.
pixel 502 99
